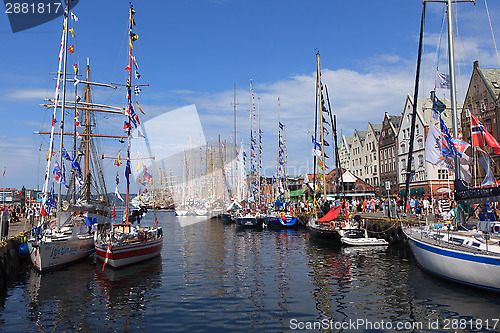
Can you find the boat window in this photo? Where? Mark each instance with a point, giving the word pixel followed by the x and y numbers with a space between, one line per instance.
pixel 475 244
pixel 458 241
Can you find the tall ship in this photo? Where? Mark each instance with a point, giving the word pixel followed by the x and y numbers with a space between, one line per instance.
pixel 73 202
pixel 121 244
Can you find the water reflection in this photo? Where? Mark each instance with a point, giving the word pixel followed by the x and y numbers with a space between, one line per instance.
pixel 58 300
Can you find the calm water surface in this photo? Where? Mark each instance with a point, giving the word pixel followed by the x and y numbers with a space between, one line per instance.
pixel 214 277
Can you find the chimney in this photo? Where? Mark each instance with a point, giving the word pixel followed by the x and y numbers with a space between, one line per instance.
pixel 476 64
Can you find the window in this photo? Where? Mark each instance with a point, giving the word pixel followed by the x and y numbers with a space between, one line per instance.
pixel 420 143
pixel 416 129
pixel 443 174
pixel 375 169
pixel 420 160
pixel 495 85
pixel 487 125
pixel 375 156
pixel 485 105
pixel 403 148
pixel 403 165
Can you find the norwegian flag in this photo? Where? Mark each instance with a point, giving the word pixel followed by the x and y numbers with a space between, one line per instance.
pixel 481 137
pixel 107 255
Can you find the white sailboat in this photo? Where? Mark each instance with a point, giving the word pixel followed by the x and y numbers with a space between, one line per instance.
pixel 467 257
pixel 64 232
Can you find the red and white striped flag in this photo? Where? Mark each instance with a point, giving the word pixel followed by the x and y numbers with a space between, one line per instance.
pixel 107 255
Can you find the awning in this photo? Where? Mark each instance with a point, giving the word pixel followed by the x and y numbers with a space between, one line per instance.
pixel 402 192
pixel 420 190
pixel 296 193
pixel 413 191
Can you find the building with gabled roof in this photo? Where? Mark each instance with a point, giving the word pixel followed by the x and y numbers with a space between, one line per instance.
pixel 482 100
pixel 388 157
pixel 425 177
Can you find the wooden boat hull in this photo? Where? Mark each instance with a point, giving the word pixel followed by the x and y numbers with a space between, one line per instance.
pixel 280 223
pixel 473 268
pixel 124 254
pixel 323 232
pixel 50 254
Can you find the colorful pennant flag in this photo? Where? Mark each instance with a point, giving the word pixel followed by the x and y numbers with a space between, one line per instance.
pixel 136 103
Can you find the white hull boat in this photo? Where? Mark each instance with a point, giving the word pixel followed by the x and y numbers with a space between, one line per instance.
pixel 359 237
pixel 463 257
pixel 58 248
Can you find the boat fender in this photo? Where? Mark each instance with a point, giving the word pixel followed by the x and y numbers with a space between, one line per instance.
pixel 23 250
pixel 159 232
pixel 342 224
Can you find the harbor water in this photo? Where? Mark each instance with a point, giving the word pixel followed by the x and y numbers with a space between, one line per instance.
pixel 214 277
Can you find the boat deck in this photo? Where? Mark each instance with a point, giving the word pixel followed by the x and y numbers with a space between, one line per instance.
pixel 456 240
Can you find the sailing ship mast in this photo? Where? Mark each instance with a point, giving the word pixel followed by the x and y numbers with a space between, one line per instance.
pixel 322 133
pixel 451 58
pixel 129 105
pixel 61 141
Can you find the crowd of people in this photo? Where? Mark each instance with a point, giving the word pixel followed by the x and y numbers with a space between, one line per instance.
pixel 438 208
pixel 29 212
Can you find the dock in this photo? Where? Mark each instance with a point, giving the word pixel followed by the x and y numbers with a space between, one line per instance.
pixel 10 259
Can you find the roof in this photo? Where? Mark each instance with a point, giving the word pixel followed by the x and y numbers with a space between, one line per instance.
pixel 361 134
pixel 489 76
pixel 395 120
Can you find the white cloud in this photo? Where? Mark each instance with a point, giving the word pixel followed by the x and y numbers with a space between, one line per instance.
pixel 23 94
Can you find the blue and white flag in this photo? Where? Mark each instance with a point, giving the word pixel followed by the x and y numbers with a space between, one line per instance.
pixel 442 81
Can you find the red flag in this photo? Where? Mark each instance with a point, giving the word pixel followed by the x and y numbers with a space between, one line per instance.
pixel 3 172
pixel 71 49
pixel 43 212
pixel 481 137
pixel 114 213
pixel 107 255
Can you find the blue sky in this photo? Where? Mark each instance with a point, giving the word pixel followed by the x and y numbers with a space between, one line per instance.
pixel 193 52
